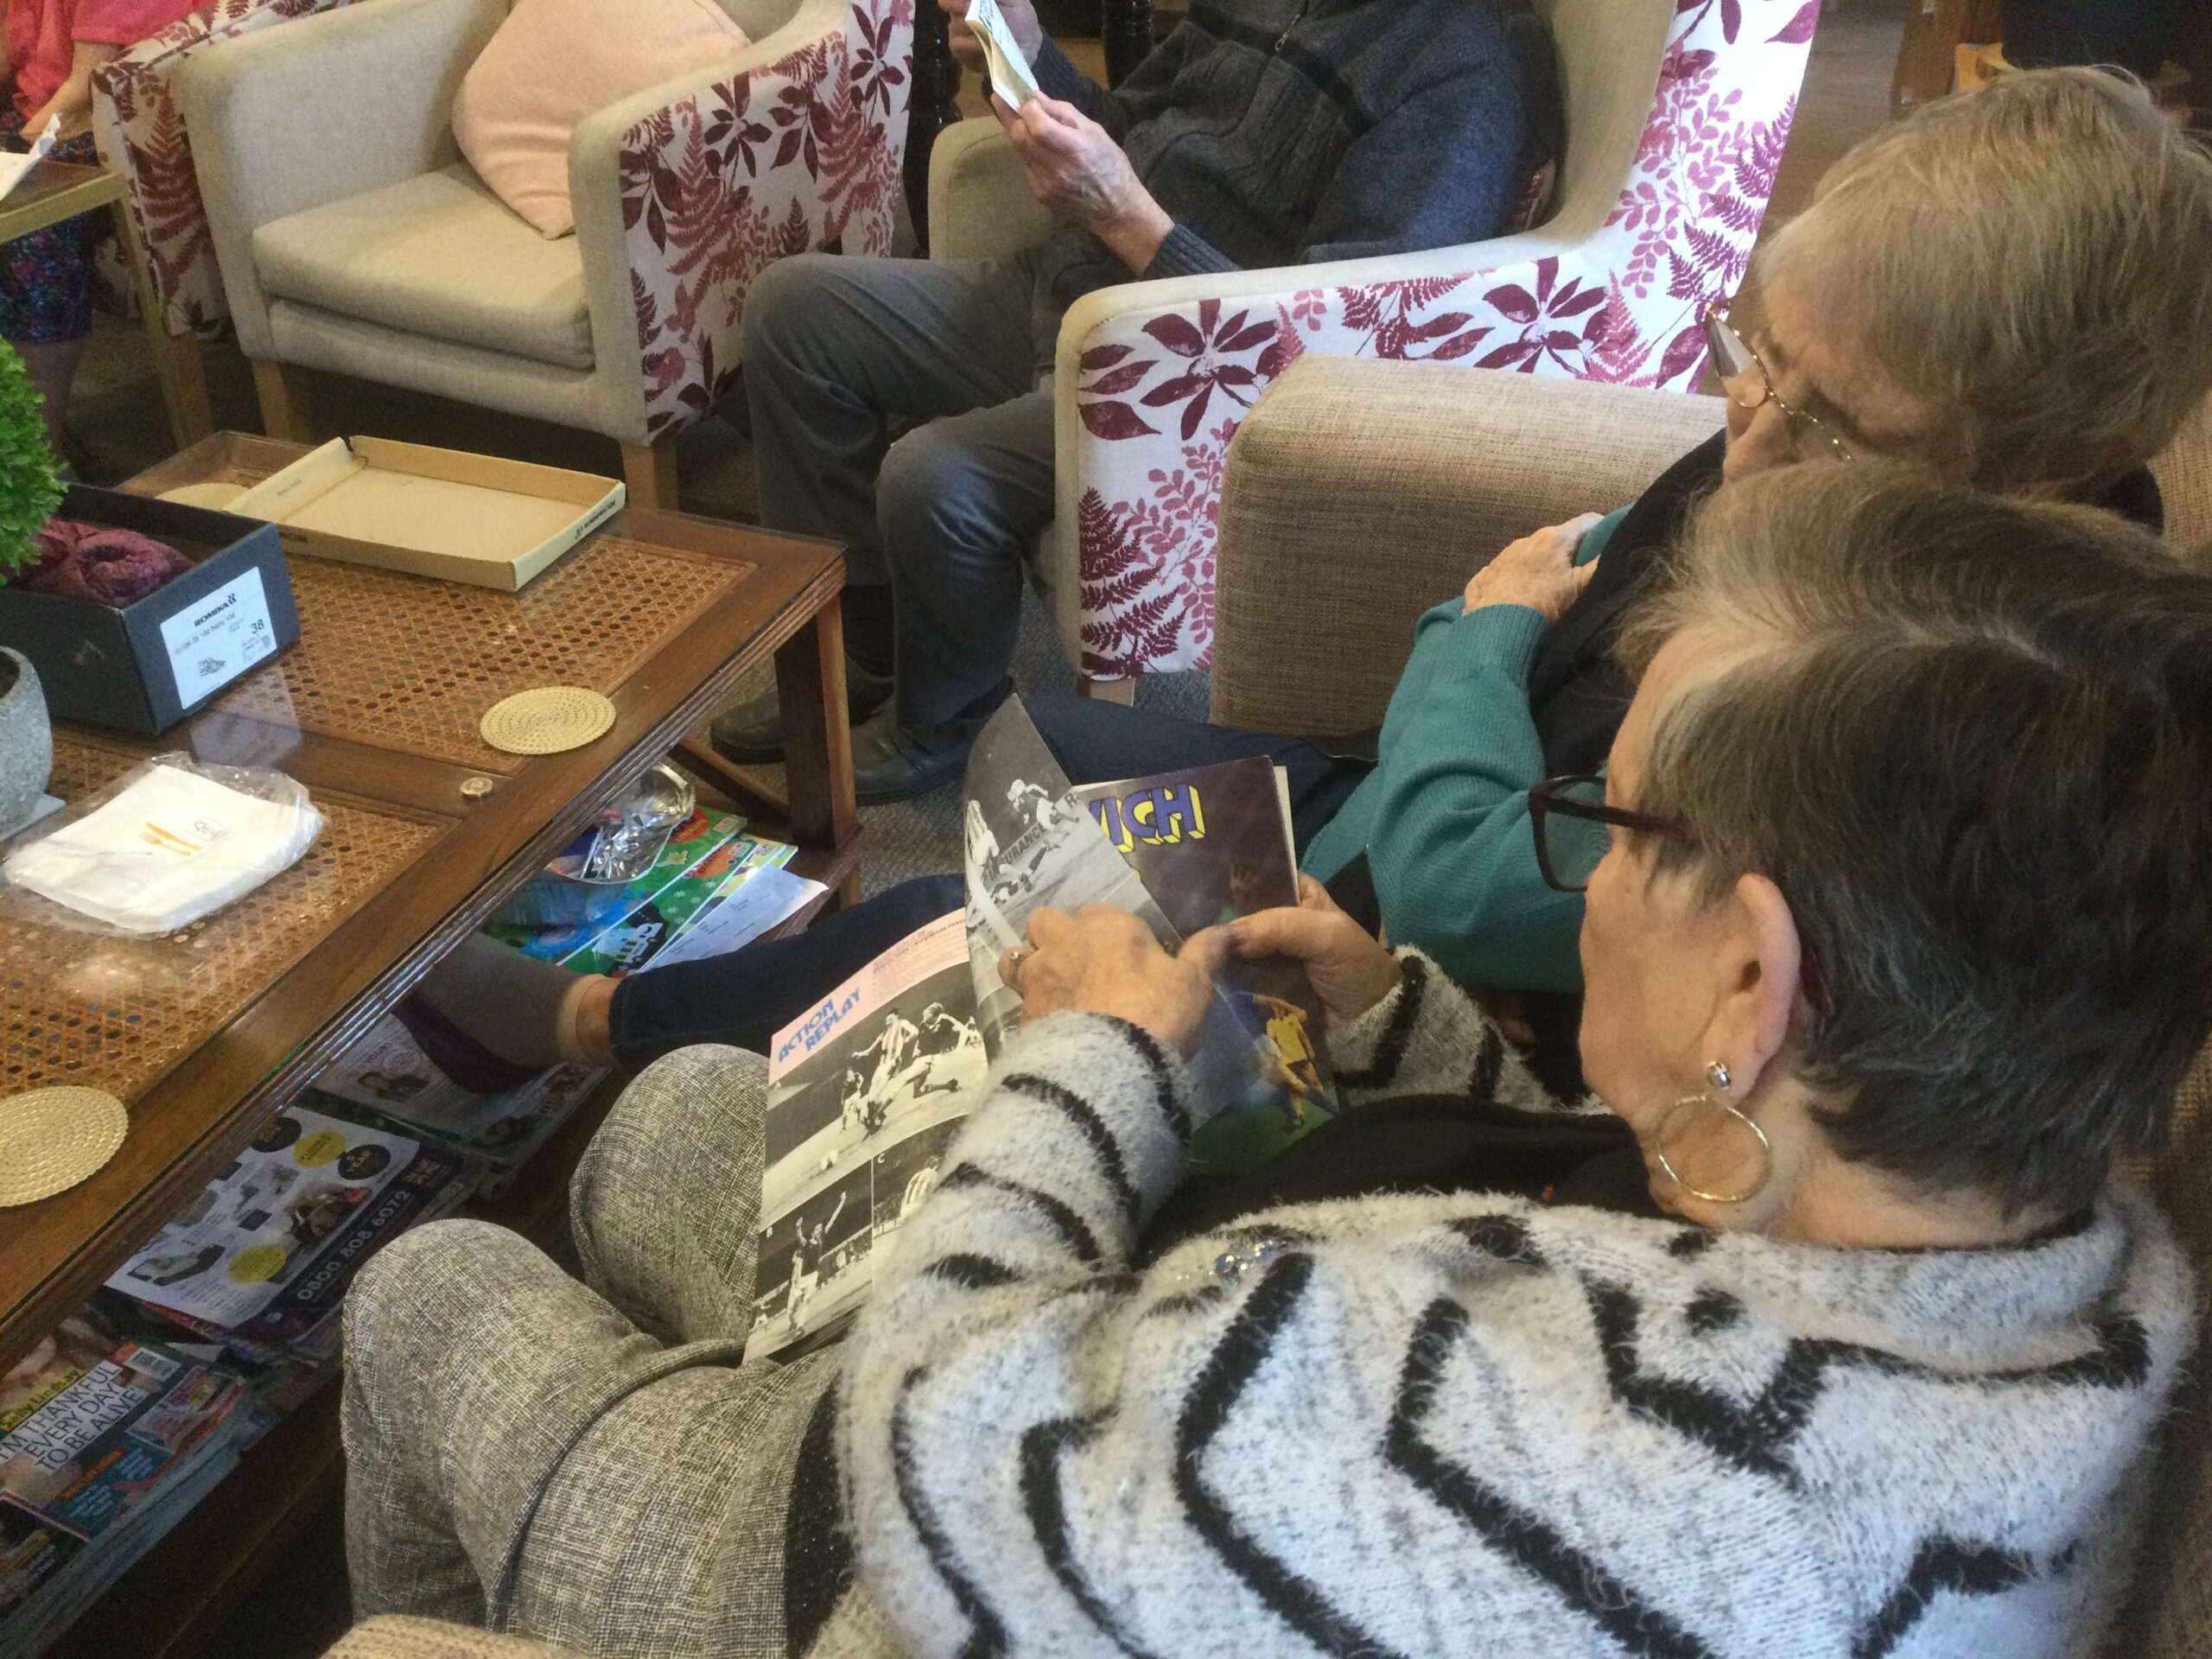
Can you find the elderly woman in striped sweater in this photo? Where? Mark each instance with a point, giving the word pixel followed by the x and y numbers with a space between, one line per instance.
pixel 1832 1332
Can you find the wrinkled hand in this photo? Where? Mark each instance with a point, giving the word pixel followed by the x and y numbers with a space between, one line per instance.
pixel 1105 961
pixel 1538 571
pixel 1080 174
pixel 1020 18
pixel 1350 969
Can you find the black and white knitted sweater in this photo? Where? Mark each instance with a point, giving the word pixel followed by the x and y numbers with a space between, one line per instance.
pixel 1464 1425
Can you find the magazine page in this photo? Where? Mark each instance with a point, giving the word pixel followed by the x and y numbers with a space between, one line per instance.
pixel 1030 846
pixel 100 1440
pixel 385 1074
pixel 555 916
pixel 269 1246
pixel 865 1094
pixel 1213 844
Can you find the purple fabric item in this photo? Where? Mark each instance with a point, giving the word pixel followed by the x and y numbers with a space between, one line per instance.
pixel 106 566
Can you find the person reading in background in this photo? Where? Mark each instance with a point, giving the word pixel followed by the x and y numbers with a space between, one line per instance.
pixel 2008 289
pixel 46 278
pixel 1261 133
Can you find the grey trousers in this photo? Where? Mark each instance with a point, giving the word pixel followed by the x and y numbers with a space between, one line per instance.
pixel 833 348
pixel 586 1463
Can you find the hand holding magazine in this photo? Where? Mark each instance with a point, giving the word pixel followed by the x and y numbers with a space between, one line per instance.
pixel 867 1092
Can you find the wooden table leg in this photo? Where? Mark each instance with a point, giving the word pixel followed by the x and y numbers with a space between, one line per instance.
pixel 818 742
pixel 177 365
pixel 933 106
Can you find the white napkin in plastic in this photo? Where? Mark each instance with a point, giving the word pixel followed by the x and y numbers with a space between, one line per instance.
pixel 169 849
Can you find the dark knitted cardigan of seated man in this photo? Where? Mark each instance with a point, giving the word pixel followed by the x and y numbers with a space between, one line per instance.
pixel 1261 133
pixel 1276 132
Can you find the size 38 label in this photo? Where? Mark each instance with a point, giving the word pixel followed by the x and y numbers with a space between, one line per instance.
pixel 218 637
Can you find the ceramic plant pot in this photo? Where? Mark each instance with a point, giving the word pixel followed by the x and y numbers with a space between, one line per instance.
pixel 26 740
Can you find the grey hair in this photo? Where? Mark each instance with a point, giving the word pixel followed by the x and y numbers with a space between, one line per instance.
pixel 2037 255
pixel 1971 741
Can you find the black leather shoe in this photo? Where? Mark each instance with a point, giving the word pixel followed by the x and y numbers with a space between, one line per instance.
pixel 752 734
pixel 889 765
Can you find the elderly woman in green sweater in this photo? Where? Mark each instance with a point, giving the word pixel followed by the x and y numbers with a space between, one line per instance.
pixel 2008 288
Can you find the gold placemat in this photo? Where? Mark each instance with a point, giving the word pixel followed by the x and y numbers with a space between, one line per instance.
pixel 51 1138
pixel 546 720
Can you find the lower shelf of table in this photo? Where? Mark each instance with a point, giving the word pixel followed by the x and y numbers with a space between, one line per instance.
pixel 172 1602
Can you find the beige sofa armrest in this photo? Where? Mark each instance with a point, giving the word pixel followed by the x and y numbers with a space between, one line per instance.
pixel 980 206
pixel 325 108
pixel 423 1638
pixel 1359 494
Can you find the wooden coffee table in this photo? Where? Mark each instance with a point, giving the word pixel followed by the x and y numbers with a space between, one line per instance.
pixel 427 831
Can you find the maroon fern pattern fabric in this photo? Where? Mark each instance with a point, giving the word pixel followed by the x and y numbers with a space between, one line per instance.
pixel 142 137
pixel 802 154
pixel 1160 394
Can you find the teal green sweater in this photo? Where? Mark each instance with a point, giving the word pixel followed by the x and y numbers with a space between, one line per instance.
pixel 1444 817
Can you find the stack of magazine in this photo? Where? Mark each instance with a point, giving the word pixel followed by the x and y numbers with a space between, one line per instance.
pixel 104 1444
pixel 260 1260
pixel 868 1090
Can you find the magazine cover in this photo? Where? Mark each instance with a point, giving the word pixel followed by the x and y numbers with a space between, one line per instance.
pixel 385 1072
pixel 637 940
pixel 1030 846
pixel 1213 844
pixel 864 1095
pixel 554 917
pixel 267 1248
pixel 104 1444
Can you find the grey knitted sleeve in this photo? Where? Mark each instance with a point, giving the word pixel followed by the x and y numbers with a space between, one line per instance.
pixel 1429 1037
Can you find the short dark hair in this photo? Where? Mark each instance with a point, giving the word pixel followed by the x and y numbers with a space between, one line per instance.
pixel 1971 739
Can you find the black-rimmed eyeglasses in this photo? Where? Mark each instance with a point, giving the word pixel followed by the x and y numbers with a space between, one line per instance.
pixel 1572 823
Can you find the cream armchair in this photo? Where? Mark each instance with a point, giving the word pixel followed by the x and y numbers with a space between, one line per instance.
pixel 352 236
pixel 1676 111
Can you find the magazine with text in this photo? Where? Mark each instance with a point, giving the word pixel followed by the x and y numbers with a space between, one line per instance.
pixel 868 1090
pixel 104 1444
pixel 1213 844
pixel 864 1094
pixel 265 1251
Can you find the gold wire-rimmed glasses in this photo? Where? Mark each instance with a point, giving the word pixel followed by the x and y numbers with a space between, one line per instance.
pixel 1747 382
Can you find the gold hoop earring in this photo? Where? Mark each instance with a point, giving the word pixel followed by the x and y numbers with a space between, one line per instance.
pixel 1718 1074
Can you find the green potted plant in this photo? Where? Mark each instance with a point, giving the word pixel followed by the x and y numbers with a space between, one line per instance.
pixel 30 489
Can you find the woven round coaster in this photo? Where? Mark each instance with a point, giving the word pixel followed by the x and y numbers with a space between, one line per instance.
pixel 546 720
pixel 51 1138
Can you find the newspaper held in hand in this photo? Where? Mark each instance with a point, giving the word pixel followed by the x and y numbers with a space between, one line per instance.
pixel 1011 77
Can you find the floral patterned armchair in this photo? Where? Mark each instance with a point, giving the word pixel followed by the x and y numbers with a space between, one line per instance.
pixel 142 137
pixel 351 236
pixel 1676 111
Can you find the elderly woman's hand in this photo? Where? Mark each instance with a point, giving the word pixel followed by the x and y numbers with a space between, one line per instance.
pixel 1350 970
pixel 1538 571
pixel 1105 961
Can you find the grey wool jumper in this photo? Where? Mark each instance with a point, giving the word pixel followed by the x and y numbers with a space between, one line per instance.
pixel 1278 132
pixel 1460 1424
pixel 1464 1425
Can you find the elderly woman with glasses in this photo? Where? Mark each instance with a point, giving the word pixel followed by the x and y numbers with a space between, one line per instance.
pixel 1825 1327
pixel 2008 288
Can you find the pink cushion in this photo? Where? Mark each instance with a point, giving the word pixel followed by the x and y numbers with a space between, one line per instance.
pixel 552 63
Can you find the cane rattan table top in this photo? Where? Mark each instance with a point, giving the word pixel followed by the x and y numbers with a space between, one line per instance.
pixel 205 1033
